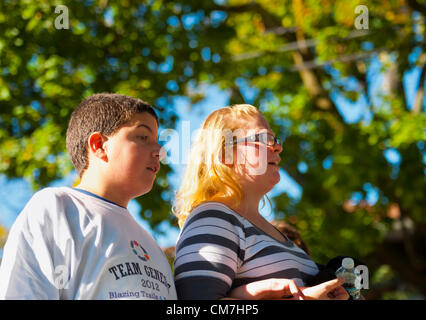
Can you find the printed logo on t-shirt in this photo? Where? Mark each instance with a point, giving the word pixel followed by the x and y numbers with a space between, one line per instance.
pixel 152 280
pixel 152 283
pixel 139 251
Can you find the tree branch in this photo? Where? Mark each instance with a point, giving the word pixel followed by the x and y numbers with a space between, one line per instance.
pixel 310 78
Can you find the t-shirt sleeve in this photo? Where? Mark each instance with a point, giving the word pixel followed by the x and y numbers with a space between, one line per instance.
pixel 208 254
pixel 27 270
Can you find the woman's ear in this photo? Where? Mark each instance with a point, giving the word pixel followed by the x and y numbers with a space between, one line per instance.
pixel 96 143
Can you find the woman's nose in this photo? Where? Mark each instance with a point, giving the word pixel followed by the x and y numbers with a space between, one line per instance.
pixel 278 148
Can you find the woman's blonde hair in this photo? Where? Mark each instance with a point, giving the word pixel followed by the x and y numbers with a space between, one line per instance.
pixel 207 177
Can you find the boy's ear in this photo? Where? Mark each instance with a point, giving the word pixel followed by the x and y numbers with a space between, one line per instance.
pixel 96 145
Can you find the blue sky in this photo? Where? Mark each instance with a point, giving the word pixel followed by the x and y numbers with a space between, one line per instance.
pixel 15 193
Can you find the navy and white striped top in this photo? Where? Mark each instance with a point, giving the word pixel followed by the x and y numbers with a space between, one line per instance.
pixel 219 250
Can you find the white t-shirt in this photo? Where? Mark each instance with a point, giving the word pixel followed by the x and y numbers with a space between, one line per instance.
pixel 67 244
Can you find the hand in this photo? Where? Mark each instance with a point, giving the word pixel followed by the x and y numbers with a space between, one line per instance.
pixel 269 289
pixel 329 290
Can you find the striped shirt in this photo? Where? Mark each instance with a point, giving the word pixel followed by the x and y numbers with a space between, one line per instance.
pixel 219 250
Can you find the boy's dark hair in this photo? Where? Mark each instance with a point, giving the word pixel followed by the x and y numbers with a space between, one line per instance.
pixel 104 113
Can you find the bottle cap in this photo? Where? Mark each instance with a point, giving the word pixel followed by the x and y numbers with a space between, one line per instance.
pixel 348 263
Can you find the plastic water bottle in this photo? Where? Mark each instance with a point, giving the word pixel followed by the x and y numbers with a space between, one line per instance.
pixel 348 273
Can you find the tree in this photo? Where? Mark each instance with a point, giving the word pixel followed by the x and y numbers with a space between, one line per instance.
pixel 46 72
pixel 295 59
pixel 303 57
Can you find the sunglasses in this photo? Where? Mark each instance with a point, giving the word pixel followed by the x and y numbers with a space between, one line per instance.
pixel 263 137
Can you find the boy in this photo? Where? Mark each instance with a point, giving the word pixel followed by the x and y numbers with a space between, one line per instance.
pixel 82 243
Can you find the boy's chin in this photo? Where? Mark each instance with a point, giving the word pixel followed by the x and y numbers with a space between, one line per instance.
pixel 145 189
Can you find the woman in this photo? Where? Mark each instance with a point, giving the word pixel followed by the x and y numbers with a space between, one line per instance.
pixel 226 248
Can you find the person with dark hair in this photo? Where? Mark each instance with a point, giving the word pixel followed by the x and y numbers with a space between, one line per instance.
pixel 291 233
pixel 82 242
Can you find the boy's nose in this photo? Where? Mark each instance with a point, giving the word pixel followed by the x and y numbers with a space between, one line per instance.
pixel 159 153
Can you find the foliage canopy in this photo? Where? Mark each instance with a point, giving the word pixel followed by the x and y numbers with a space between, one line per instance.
pixel 295 59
